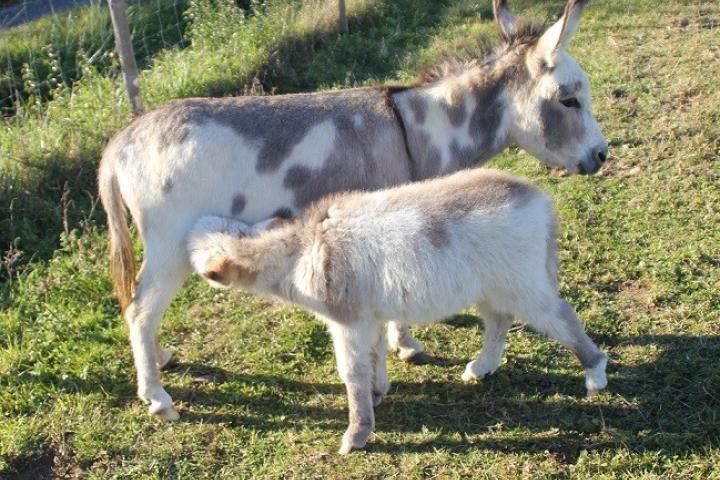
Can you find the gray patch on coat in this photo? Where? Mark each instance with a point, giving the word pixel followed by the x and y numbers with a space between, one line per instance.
pixel 296 177
pixel 350 165
pixel 560 125
pixel 285 213
pixel 551 259
pixel 238 204
pixel 425 155
pixel 586 351
pixel 167 186
pixel 463 157
pixel 565 91
pixel 487 117
pixel 456 113
pixel 484 124
pixel 491 191
pixel 275 124
pixel 419 107
pixel 435 229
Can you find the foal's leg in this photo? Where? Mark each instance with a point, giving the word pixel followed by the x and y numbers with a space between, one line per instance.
pixel 162 355
pixel 353 344
pixel 496 328
pixel 561 323
pixel 378 358
pixel 160 279
pixel 408 348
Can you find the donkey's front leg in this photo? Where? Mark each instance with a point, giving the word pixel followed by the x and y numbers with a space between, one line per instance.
pixel 409 350
pixel 353 344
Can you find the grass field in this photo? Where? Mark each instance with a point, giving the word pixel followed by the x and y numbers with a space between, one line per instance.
pixel 255 383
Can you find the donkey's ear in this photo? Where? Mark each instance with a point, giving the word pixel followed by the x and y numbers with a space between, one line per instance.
pixel 558 37
pixel 505 20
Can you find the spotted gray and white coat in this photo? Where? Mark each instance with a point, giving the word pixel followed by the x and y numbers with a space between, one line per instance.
pixel 413 254
pixel 255 157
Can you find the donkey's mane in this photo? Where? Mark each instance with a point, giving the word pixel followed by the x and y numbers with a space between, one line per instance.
pixel 484 54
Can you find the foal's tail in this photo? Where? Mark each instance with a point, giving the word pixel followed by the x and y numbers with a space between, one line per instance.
pixel 122 261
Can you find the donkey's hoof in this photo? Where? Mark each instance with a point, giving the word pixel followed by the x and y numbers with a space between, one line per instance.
pixel 377 398
pixel 595 378
pixel 169 414
pixel 164 358
pixel 419 358
pixel 355 438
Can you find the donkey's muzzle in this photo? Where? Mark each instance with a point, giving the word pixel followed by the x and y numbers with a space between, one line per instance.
pixel 593 164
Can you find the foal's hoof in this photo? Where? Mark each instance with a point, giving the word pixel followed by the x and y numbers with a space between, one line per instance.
pixel 160 404
pixel 169 414
pixel 469 377
pixel 595 378
pixel 355 438
pixel 419 358
pixel 477 370
pixel 165 359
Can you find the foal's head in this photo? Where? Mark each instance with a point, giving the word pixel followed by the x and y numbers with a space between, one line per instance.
pixel 548 104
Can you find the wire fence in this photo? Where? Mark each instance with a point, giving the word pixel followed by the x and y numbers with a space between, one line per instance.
pixel 46 45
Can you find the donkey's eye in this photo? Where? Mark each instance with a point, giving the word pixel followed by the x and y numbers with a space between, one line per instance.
pixel 571 102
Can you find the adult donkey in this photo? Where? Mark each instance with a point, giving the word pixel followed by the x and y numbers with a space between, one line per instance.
pixel 256 157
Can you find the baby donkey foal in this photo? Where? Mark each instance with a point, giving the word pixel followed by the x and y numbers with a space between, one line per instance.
pixel 415 254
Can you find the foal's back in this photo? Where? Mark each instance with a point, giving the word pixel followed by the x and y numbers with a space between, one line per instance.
pixel 437 246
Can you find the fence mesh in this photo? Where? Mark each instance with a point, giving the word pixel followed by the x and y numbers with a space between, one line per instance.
pixel 45 45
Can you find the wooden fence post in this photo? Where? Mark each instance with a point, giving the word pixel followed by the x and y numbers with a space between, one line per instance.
pixel 343 17
pixel 118 14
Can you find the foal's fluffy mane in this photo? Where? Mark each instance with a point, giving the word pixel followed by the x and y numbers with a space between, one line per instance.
pixel 483 54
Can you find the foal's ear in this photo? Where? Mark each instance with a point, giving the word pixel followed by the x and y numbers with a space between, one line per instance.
pixel 558 37
pixel 224 271
pixel 270 224
pixel 505 20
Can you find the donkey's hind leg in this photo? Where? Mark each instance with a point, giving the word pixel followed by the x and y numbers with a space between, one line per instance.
pixel 409 349
pixel 496 328
pixel 561 323
pixel 162 276
pixel 162 355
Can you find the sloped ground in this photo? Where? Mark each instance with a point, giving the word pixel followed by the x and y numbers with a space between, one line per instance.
pixel 255 383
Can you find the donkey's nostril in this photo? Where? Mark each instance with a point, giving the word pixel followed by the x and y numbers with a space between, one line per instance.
pixel 602 155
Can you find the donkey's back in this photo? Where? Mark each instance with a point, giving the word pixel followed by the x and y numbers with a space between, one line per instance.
pixel 233 156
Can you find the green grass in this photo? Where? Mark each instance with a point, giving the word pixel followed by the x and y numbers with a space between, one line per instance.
pixel 255 383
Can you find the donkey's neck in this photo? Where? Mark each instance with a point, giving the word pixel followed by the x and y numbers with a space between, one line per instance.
pixel 454 123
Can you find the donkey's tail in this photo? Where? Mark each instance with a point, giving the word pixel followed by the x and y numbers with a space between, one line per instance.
pixel 122 261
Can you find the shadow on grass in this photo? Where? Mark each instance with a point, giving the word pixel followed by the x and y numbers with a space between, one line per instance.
pixel 64 194
pixel 670 403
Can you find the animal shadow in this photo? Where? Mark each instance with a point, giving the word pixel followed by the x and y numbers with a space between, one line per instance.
pixel 667 402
